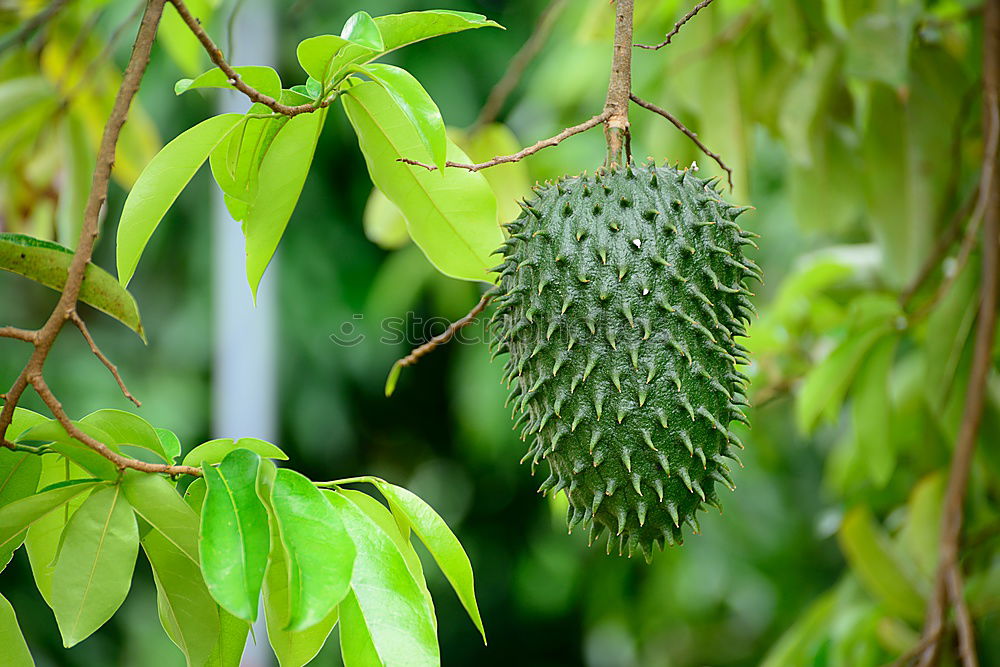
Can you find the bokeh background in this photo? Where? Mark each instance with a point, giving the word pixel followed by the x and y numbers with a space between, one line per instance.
pixel 853 127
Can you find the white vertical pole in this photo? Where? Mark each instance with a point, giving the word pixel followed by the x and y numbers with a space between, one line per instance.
pixel 244 367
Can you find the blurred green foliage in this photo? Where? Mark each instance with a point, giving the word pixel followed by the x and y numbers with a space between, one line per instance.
pixel 853 127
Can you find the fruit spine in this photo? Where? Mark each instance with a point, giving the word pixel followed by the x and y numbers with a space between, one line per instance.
pixel 619 301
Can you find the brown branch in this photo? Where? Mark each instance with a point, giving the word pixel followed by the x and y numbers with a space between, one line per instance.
pixel 502 90
pixel 616 127
pixel 215 54
pixel 18 334
pixel 82 326
pixel 677 26
pixel 948 582
pixel 520 155
pixel 449 333
pixel 688 133
pixel 65 309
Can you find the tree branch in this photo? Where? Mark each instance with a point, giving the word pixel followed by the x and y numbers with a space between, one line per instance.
pixel 948 583
pixel 502 90
pixel 18 334
pixel 449 333
pixel 690 135
pixel 677 26
pixel 82 326
pixel 520 155
pixel 215 54
pixel 616 127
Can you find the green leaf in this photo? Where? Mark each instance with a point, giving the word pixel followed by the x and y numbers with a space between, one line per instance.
pixel 15 649
pixel 214 451
pixel 873 558
pixel 393 378
pixel 316 53
pixel 159 185
pixel 19 475
pixel 921 533
pixel 440 542
pixel 418 106
pixel 48 263
pixel 283 173
pixel 194 496
pixel 510 182
pixel 362 30
pixel 399 30
pixel 125 428
pixel 94 569
pixel 81 454
pixel 234 534
pixel 872 409
pixel 157 501
pixel 177 39
pixel 383 222
pixel 357 648
pixel 20 515
pixel 878 47
pixel 45 535
pixel 22 420
pixel 313 88
pixel 188 612
pixel 394 608
pixel 232 641
pixel 169 443
pixel 292 648
pixel 264 79
pixel 319 553
pixel 451 215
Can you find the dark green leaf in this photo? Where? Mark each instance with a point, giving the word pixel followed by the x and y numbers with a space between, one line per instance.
pixel 48 263
pixel 234 534
pixel 159 185
pixel 94 570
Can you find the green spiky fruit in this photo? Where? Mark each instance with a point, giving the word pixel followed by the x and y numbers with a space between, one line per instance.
pixel 619 301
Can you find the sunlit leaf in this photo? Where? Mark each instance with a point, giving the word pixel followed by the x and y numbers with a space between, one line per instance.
pixel 82 455
pixel 362 30
pixel 214 451
pixel 125 428
pixel 263 79
pixel 48 263
pixel 316 53
pixel 94 570
pixel 15 650
pixel 383 222
pixel 155 500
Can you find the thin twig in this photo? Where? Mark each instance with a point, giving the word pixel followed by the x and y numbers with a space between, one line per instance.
pixel 502 90
pixel 233 76
pixel 82 326
pixel 688 133
pixel 521 154
pixel 948 582
pixel 18 334
pixel 677 26
pixel 449 333
pixel 32 24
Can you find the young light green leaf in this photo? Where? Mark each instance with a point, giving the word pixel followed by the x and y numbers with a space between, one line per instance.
pixel 418 106
pixel 316 53
pixel 234 534
pixel 872 410
pixel 236 161
pixel 159 185
pixel 19 475
pixel 440 541
pixel 313 88
pixel 399 30
pixel 383 222
pixel 394 608
pixel 874 559
pixel 451 215
pixel 125 428
pixel 22 420
pixel 214 451
pixel 292 648
pixel 48 263
pixel 188 612
pixel 21 514
pixel 264 79
pixel 157 501
pixel 81 454
pixel 194 495
pixel 283 173
pixel 94 570
pixel 319 552
pixel 362 30
pixel 393 379
pixel 15 649
pixel 357 648
pixel 169 442
pixel 45 535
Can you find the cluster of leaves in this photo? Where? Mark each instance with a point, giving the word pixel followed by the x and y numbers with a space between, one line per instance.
pixel 245 531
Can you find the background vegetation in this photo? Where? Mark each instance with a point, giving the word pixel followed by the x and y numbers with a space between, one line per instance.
pixel 854 128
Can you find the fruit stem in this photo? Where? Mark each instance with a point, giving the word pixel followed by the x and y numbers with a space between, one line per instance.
pixel 616 127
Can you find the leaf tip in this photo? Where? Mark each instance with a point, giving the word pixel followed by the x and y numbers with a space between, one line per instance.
pixel 390 382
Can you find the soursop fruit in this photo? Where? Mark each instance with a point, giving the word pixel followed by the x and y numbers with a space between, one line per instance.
pixel 619 302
